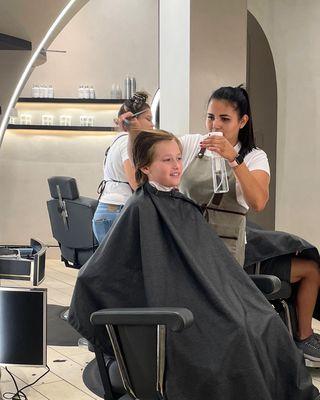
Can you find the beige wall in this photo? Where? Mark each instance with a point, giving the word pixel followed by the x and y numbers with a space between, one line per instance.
pixel 25 164
pixel 12 65
pixel 105 41
pixel 202 47
pixel 292 28
pixel 218 49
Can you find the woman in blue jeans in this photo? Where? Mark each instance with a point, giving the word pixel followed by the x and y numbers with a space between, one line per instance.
pixel 118 174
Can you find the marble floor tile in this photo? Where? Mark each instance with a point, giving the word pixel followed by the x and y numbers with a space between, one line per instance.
pixel 63 390
pixel 7 385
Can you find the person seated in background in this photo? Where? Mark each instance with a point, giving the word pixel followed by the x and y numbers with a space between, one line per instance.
pixel 161 252
pixel 118 173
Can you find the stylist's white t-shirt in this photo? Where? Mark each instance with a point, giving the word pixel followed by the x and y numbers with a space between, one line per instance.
pixel 116 192
pixel 255 160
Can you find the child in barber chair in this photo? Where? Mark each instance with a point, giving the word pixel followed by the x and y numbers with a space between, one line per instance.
pixel 162 252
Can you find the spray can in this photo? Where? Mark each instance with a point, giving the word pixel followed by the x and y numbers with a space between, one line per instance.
pixel 133 86
pixel 127 87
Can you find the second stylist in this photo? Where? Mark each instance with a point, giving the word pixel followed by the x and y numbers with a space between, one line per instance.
pixel 118 173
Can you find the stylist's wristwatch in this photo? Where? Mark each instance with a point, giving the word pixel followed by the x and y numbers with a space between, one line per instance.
pixel 237 161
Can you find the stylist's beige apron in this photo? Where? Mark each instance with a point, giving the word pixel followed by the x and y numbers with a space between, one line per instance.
pixel 222 211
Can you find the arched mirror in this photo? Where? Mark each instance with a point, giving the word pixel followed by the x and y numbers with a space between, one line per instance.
pixel 63 122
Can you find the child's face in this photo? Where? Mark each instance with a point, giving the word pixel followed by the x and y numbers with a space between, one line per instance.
pixel 166 167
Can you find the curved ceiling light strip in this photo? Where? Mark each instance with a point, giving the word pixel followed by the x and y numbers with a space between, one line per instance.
pixel 21 82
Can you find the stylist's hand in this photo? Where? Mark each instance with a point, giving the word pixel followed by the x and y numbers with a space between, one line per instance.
pixel 129 124
pixel 220 145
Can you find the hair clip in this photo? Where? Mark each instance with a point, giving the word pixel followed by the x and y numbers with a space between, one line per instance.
pixel 137 100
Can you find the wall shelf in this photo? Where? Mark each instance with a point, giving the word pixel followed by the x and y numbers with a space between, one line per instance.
pixel 8 42
pixel 68 100
pixel 61 128
pixel 36 111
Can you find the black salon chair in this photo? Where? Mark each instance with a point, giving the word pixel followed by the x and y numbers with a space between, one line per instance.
pixel 281 295
pixel 138 337
pixel 138 340
pixel 283 299
pixel 71 221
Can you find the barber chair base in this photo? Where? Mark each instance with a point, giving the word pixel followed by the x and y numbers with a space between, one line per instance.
pixel 91 378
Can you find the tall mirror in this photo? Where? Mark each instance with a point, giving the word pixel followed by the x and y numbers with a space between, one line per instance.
pixel 63 122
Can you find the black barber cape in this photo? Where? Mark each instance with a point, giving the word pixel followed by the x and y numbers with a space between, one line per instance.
pixel 161 252
pixel 263 245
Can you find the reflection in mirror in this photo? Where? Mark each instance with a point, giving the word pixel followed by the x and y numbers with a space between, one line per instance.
pixel 104 42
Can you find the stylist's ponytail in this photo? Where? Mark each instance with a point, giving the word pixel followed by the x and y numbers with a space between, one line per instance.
pixel 246 134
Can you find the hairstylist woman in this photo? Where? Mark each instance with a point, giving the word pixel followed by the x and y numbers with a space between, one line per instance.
pixel 228 112
pixel 119 181
pixel 290 258
pixel 248 168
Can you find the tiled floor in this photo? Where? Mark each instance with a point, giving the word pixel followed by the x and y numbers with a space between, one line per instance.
pixel 64 381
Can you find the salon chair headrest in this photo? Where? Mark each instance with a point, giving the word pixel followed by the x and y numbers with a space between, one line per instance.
pixel 68 187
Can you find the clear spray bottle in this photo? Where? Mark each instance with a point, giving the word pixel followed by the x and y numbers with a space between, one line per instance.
pixel 219 172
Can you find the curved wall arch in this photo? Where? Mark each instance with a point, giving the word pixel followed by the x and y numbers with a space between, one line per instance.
pixel 262 87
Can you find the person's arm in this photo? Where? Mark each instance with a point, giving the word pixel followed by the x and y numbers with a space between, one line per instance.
pixel 254 184
pixel 133 128
pixel 130 174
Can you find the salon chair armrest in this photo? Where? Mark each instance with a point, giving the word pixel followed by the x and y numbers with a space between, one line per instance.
pixel 268 284
pixel 176 319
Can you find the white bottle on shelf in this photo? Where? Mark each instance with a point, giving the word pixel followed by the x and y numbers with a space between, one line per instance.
pixel 50 92
pixel 35 91
pixel 45 91
pixel 92 94
pixel 86 92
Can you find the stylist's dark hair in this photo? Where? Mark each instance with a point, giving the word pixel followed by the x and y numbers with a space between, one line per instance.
pixel 238 97
pixel 136 103
pixel 143 150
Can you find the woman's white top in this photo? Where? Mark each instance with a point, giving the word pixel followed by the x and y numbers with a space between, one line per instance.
pixel 113 170
pixel 255 160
